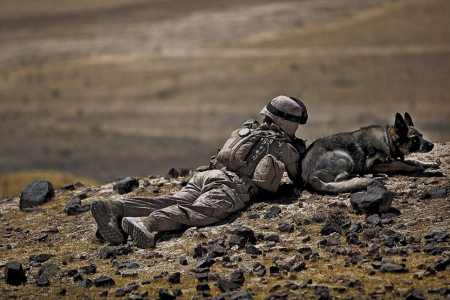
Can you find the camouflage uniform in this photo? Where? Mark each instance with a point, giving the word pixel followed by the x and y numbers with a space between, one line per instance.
pixel 208 197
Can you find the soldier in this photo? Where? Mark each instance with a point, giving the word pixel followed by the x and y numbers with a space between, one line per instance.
pixel 252 160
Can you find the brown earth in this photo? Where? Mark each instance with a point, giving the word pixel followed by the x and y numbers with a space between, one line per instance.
pixel 131 88
pixel 337 267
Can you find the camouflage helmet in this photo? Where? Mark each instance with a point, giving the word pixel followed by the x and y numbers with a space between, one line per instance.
pixel 286 112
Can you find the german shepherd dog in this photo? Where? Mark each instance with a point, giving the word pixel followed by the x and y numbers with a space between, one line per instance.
pixel 334 164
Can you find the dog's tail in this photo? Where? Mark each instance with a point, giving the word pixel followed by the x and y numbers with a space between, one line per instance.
pixel 336 187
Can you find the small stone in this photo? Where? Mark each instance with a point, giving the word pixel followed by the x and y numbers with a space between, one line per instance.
pixel 77 277
pixel 203 287
pixel 217 248
pixel 376 265
pixel 285 227
pixel 273 238
pixel 91 269
pixel 73 206
pixel 305 283
pixel 68 187
pixel 109 252
pixel 414 294
pixel 237 277
pixel 437 192
pixel 104 281
pixel 329 227
pixel 62 292
pixel 183 261
pixel 247 233
pixel 374 220
pixel 41 257
pixel 227 286
pixel 442 262
pixel 412 201
pixel 253 250
pixel 304 249
pixel 172 174
pixel 164 294
pixel 43 281
pixel 129 274
pixel 177 292
pixel 355 226
pixel 153 190
pixel 273 211
pixel 71 272
pixel 199 251
pixel 445 291
pixel 294 263
pixel 122 292
pixel 128 266
pixel 241 295
pixel 175 278
pixel 274 271
pixel 87 283
pixel 393 268
pixel 49 270
pixel 238 241
pixel 437 236
pixel 205 262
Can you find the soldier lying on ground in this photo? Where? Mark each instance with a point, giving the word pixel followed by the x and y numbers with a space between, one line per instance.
pixel 252 160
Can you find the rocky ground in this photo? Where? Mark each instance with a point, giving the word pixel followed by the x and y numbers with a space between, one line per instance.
pixel 306 246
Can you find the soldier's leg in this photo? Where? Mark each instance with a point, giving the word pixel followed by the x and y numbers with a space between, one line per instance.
pixel 219 197
pixel 108 214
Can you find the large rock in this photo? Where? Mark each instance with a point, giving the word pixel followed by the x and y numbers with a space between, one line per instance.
pixel 126 185
pixel 36 193
pixel 14 273
pixel 376 200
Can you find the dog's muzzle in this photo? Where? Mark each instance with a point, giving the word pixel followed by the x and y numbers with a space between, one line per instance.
pixel 427 147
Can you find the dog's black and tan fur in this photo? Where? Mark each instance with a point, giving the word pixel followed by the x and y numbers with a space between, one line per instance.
pixel 332 164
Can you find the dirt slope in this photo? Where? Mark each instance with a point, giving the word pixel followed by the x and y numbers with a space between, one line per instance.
pixel 389 258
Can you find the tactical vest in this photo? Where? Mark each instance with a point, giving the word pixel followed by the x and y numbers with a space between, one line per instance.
pixel 246 152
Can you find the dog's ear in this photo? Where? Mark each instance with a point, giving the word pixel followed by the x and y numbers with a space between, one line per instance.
pixel 408 120
pixel 400 125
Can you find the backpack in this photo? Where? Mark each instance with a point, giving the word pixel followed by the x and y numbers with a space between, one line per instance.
pixel 246 152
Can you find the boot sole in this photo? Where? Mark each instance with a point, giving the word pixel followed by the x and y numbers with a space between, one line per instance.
pixel 108 230
pixel 141 236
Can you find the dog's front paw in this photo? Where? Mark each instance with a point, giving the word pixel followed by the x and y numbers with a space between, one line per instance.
pixel 431 165
pixel 434 165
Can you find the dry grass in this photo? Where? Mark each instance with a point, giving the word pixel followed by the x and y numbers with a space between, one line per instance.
pixel 12 185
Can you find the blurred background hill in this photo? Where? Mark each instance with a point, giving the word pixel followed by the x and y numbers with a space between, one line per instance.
pixel 109 89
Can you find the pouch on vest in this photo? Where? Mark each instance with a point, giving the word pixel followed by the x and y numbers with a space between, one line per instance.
pixel 268 173
pixel 234 153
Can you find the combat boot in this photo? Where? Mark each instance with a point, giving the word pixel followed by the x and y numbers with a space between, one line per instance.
pixel 107 214
pixel 140 229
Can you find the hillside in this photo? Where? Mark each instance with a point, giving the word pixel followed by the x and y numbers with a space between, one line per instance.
pixel 306 245
pixel 117 88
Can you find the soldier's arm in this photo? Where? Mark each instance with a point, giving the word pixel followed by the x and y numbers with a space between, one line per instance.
pixel 291 161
